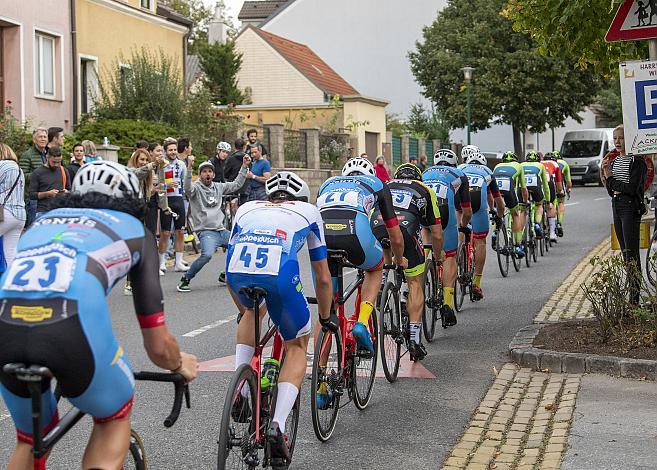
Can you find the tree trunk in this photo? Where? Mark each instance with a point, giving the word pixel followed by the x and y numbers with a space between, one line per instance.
pixel 517 143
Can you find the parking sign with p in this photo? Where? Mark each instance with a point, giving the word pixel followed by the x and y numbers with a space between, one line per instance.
pixel 639 93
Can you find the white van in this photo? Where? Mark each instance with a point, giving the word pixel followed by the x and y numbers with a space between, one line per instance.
pixel 584 151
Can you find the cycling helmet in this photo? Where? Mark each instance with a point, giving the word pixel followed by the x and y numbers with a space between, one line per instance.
pixel 477 157
pixel 445 156
pixel 533 157
pixel 408 171
pixel 106 177
pixel 224 146
pixel 509 157
pixel 290 183
pixel 468 151
pixel 358 165
pixel 557 155
pixel 550 156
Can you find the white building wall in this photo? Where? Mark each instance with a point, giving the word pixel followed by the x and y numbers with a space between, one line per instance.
pixel 270 77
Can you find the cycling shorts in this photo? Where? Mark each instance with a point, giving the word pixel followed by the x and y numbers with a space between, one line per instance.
pixel 350 231
pixel 286 303
pixel 510 198
pixel 450 229
pixel 553 192
pixel 80 350
pixel 413 249
pixel 479 221
pixel 177 205
pixel 536 193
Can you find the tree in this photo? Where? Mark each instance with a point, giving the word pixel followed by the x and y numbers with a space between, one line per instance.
pixel 513 84
pixel 574 30
pixel 426 125
pixel 220 64
pixel 200 14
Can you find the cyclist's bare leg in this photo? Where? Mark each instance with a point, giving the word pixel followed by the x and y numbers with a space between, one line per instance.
pixel 449 272
pixel 180 241
pixel 371 285
pixel 21 459
pixel 108 445
pixel 246 327
pixel 538 217
pixel 415 298
pixel 479 255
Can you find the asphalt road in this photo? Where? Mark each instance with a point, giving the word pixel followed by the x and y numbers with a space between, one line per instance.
pixel 410 424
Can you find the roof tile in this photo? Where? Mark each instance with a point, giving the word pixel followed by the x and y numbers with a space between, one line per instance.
pixel 256 9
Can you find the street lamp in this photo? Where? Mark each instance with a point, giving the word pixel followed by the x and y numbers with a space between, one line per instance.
pixel 467 74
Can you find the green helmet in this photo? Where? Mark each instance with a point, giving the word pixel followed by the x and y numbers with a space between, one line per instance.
pixel 556 154
pixel 509 157
pixel 408 171
pixel 532 157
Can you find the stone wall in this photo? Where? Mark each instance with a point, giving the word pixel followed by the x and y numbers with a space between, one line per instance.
pixel 314 178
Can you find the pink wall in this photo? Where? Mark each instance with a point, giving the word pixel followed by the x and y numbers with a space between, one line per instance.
pixel 19 21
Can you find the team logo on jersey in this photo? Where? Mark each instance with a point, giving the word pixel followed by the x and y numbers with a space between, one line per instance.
pixel 281 234
pixel 30 314
pixel 263 232
pixel 335 227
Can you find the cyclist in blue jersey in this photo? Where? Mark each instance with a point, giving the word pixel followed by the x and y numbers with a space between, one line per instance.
pixel 453 193
pixel 263 252
pixel 54 313
pixel 483 193
pixel 345 203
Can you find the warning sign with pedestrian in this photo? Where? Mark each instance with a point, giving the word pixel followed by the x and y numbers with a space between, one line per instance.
pixel 634 20
pixel 638 81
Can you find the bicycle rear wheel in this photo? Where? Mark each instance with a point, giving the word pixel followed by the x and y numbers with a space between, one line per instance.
pixel 326 378
pixel 461 274
pixel 363 368
pixel 136 457
pixel 502 249
pixel 651 261
pixel 237 446
pixel 431 307
pixel 390 338
pixel 525 242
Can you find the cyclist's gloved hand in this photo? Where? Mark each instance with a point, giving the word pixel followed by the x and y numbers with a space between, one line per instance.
pixel 332 323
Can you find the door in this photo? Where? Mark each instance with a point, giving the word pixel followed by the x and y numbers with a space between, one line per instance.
pixel 372 145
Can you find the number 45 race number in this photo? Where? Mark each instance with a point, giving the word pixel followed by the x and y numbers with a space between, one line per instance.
pixel 250 258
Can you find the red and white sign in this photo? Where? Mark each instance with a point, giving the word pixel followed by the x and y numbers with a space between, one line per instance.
pixel 634 20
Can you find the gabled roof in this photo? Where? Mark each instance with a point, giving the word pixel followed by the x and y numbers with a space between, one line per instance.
pixel 170 14
pixel 277 12
pixel 259 9
pixel 308 63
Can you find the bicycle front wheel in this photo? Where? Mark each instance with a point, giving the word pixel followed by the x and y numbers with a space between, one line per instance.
pixel 136 457
pixel 326 384
pixel 390 338
pixel 651 261
pixel 502 249
pixel 430 312
pixel 237 445
pixel 460 285
pixel 363 367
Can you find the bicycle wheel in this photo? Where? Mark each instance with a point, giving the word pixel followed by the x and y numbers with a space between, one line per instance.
pixel 540 242
pixel 328 377
pixel 651 261
pixel 461 274
pixel 390 339
pixel 502 249
pixel 430 312
pixel 471 274
pixel 525 243
pixel 363 368
pixel 237 446
pixel 136 457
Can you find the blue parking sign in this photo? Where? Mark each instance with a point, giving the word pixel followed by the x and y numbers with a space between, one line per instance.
pixel 646 104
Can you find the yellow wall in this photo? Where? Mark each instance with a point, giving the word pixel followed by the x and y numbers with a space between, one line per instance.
pixel 293 117
pixel 359 110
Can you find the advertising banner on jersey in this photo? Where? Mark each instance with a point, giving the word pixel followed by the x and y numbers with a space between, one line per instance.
pixel 638 81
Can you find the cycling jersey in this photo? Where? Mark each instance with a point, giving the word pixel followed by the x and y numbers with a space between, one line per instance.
pixel 554 171
pixel 510 177
pixel 53 310
pixel 447 182
pixel 345 203
pixel 565 170
pixel 415 207
pixel 174 172
pixel 482 182
pixel 536 180
pixel 262 252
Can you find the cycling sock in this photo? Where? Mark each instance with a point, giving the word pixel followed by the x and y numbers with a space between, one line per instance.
pixel 416 329
pixel 243 355
pixel 162 257
pixel 179 257
pixel 560 218
pixel 366 309
pixel 477 280
pixel 287 395
pixel 553 224
pixel 517 237
pixel 448 293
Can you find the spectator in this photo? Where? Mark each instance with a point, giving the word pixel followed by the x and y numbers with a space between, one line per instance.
pixel 205 200
pixel 252 137
pixel 423 162
pixel 233 165
pixel 381 170
pixel 12 198
pixel 260 172
pixel 219 162
pixel 77 161
pixel 624 178
pixel 413 159
pixel 174 174
pixel 158 199
pixel 90 154
pixel 55 137
pixel 49 180
pixel 30 160
pixel 184 149
pixel 364 155
pixel 142 144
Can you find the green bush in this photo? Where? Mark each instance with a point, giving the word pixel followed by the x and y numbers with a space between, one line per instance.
pixel 14 133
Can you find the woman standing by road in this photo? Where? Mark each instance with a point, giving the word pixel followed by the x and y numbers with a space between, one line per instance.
pixel 12 216
pixel 624 177
pixel 381 170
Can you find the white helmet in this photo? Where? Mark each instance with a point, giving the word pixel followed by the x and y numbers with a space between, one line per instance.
pixel 468 151
pixel 224 146
pixel 290 183
pixel 477 157
pixel 358 165
pixel 445 156
pixel 106 177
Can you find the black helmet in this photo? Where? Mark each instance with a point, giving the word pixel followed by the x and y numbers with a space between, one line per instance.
pixel 408 171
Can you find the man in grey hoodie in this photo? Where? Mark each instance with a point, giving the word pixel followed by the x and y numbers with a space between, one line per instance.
pixel 205 201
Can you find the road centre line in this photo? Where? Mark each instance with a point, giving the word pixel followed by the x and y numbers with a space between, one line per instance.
pixel 601 198
pixel 572 204
pixel 205 328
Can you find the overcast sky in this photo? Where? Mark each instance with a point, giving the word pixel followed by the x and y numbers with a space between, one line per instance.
pixel 233 7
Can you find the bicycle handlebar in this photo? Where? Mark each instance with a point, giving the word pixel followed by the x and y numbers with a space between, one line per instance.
pixel 181 388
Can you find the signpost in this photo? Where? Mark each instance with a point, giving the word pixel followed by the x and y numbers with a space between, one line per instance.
pixel 639 94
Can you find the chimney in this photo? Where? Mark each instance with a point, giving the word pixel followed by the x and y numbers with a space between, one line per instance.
pixel 217 30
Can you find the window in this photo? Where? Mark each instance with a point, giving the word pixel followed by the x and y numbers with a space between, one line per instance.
pixel 88 84
pixel 146 4
pixel 44 70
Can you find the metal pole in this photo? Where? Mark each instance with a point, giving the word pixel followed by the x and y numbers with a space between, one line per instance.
pixel 469 108
pixel 552 129
pixel 652 48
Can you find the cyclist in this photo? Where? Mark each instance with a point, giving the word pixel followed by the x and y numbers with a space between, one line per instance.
pixel 565 173
pixel 452 192
pixel 219 162
pixel 54 310
pixel 345 203
pixel 555 184
pixel 511 178
pixel 483 190
pixel 416 207
pixel 263 248
pixel 536 179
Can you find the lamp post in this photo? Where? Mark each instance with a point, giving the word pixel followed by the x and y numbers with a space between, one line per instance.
pixel 467 74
